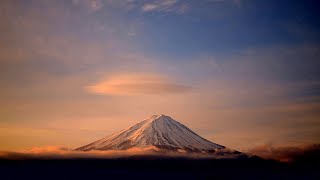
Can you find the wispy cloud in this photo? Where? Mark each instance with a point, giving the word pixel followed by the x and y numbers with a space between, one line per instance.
pixel 160 5
pixel 133 84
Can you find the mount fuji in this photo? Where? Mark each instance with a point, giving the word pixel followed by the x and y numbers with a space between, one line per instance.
pixel 159 131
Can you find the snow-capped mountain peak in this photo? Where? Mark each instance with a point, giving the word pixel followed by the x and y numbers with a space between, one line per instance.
pixel 157 130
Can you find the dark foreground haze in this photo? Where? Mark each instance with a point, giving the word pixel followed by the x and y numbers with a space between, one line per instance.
pixel 265 162
pixel 157 167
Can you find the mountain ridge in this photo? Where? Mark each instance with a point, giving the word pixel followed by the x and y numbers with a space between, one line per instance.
pixel 160 131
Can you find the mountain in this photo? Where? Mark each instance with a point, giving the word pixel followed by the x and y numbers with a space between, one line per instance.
pixel 158 130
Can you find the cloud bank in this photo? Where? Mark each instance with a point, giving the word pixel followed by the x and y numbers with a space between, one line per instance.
pixel 54 152
pixel 287 153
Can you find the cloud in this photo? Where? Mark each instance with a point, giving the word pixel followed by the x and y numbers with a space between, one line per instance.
pixel 164 5
pixel 135 84
pixel 287 153
pixel 149 7
pixel 54 152
pixel 292 154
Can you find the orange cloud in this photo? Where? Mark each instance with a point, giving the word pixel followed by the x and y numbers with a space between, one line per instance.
pixel 53 152
pixel 133 84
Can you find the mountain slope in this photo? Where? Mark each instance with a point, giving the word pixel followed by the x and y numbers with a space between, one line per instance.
pixel 158 130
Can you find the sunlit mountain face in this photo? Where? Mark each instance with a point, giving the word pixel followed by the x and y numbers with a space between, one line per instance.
pixel 160 131
pixel 242 74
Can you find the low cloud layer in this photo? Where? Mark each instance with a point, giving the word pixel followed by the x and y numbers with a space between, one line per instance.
pixel 303 153
pixel 133 84
pixel 53 152
pixel 287 153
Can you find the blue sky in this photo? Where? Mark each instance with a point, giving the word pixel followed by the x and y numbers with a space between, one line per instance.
pixel 239 72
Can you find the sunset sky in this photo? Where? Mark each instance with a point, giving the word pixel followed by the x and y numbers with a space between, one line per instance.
pixel 240 73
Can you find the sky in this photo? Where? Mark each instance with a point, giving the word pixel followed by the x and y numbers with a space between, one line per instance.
pixel 241 73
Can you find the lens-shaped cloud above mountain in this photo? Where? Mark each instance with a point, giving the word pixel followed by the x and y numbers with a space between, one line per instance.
pixel 137 84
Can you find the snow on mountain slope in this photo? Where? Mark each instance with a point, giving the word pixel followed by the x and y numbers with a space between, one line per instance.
pixel 158 130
